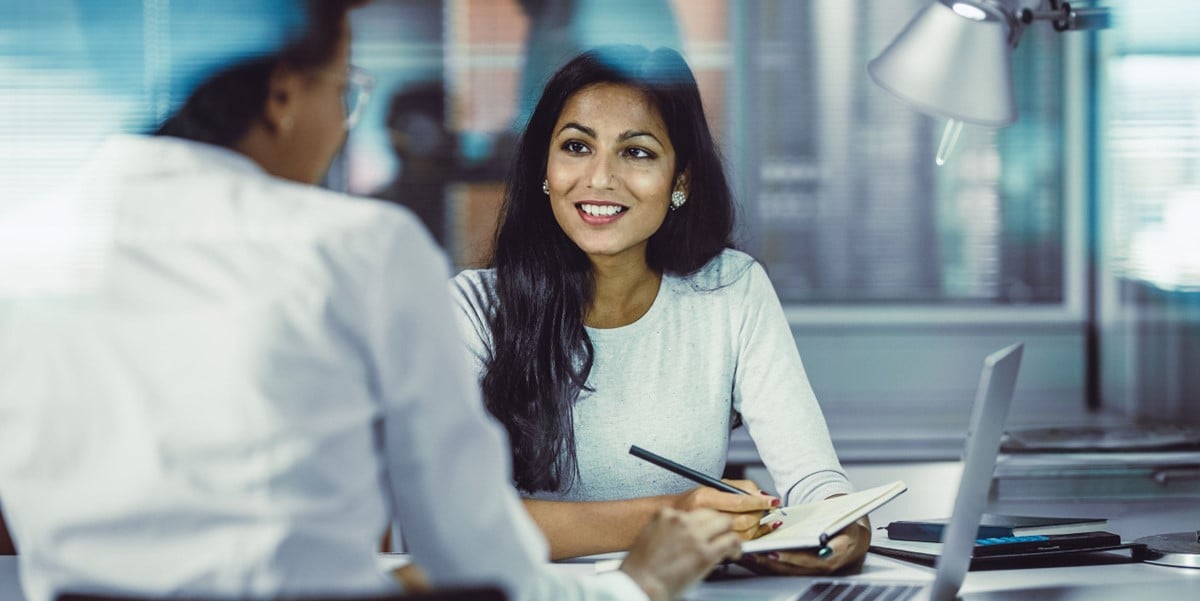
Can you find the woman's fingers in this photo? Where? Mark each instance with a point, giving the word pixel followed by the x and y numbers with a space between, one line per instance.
pixel 846 551
pixel 745 511
pixel 711 498
pixel 748 527
pixel 767 528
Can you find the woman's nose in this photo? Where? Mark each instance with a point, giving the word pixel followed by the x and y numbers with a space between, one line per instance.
pixel 602 173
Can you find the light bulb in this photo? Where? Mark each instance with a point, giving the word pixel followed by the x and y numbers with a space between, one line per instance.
pixel 949 139
pixel 969 11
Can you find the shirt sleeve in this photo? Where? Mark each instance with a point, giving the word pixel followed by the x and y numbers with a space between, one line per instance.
pixel 447 465
pixel 772 392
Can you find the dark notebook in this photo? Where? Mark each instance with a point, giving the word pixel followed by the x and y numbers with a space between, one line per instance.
pixel 1023 552
pixel 996 526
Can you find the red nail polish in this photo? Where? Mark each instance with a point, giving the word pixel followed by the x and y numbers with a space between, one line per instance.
pixel 774 502
pixel 776 525
pixel 762 492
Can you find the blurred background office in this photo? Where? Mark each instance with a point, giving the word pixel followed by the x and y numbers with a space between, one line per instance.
pixel 1073 230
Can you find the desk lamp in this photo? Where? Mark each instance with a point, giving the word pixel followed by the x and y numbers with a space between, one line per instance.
pixel 953 60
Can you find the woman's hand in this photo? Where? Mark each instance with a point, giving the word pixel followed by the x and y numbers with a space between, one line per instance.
pixel 849 549
pixel 744 510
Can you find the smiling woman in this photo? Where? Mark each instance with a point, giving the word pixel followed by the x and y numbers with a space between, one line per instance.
pixel 610 172
pixel 617 313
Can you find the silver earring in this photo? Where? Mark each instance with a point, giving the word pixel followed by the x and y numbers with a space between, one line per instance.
pixel 677 199
pixel 546 187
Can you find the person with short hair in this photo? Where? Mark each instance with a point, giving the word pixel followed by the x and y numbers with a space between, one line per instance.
pixel 235 380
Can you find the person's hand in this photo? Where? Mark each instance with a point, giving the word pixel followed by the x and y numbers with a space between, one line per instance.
pixel 849 549
pixel 412 578
pixel 744 510
pixel 678 548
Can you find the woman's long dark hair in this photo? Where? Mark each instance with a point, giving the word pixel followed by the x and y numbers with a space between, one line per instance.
pixel 541 355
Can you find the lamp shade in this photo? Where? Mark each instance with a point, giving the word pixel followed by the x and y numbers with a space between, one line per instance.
pixel 953 60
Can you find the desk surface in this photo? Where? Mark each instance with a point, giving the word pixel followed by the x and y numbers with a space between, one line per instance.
pixel 1094 583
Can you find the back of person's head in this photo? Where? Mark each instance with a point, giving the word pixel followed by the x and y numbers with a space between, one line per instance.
pixel 224 106
pixel 690 236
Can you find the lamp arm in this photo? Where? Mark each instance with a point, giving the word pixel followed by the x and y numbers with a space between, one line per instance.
pixel 1064 18
pixel 1059 15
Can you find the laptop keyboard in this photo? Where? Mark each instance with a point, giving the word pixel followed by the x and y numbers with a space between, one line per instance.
pixel 853 591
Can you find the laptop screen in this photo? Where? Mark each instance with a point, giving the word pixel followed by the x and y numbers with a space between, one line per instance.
pixel 992 401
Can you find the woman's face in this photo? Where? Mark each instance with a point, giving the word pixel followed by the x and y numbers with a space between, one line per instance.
pixel 610 171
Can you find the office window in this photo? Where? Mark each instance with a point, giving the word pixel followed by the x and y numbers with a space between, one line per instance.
pixel 1149 136
pixel 840 197
pixel 843 200
pixel 492 58
pixel 74 72
pixel 1152 139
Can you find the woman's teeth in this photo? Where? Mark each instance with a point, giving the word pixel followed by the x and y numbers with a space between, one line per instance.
pixel 601 210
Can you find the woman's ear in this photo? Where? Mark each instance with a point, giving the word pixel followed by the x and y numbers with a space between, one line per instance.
pixel 282 97
pixel 683 181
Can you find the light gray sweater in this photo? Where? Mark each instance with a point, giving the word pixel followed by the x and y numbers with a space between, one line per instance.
pixel 711 344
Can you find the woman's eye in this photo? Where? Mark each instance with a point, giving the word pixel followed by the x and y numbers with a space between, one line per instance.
pixel 639 153
pixel 575 147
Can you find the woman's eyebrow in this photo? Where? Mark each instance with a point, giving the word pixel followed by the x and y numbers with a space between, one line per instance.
pixel 633 133
pixel 636 133
pixel 583 128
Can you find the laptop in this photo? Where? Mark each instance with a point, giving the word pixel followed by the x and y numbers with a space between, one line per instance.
pixel 992 401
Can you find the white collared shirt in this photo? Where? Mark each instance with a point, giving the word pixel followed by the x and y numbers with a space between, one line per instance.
pixel 214 382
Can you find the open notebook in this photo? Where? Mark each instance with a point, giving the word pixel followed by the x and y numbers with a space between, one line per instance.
pixel 805 525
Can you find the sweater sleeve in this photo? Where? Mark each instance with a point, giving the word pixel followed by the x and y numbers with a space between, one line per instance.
pixel 471 293
pixel 772 392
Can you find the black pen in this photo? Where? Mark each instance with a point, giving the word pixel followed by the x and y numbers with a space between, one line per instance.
pixel 700 477
pixel 684 471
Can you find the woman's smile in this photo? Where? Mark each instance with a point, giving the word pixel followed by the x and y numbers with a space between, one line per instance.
pixel 596 212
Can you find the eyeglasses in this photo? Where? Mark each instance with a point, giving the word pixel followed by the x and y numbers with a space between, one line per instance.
pixel 358 86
